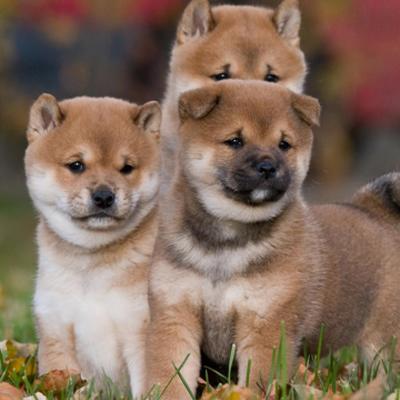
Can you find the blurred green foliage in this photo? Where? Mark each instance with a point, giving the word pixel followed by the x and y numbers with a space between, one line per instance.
pixel 17 267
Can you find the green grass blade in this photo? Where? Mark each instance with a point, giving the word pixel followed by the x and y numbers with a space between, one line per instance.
pixel 181 377
pixel 232 356
pixel 248 372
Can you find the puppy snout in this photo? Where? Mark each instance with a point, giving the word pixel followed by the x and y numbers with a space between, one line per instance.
pixel 103 197
pixel 267 169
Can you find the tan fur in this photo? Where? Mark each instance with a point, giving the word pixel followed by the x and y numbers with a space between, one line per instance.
pixel 231 274
pixel 381 199
pixel 91 300
pixel 248 41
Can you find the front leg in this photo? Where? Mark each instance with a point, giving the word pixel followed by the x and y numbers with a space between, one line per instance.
pixel 256 340
pixel 174 334
pixel 56 348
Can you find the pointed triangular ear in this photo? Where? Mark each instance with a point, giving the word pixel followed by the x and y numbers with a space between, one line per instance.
pixel 197 103
pixel 307 109
pixel 287 19
pixel 45 115
pixel 196 21
pixel 148 117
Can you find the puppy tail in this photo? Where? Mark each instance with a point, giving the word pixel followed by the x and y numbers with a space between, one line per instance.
pixel 381 198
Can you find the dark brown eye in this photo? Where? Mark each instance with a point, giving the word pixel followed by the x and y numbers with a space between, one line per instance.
pixel 235 143
pixel 127 169
pixel 272 78
pixel 221 76
pixel 77 167
pixel 284 145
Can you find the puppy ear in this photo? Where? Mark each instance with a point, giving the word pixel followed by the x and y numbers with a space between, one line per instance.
pixel 287 19
pixel 197 20
pixel 148 117
pixel 197 103
pixel 307 109
pixel 44 116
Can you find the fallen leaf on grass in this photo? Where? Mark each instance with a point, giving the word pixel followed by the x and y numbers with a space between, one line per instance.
pixel 394 396
pixel 16 349
pixel 36 396
pixel 19 358
pixel 374 390
pixel 304 375
pixel 228 392
pixel 59 380
pixel 83 393
pixel 8 392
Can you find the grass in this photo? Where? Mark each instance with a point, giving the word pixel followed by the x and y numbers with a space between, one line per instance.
pixel 335 377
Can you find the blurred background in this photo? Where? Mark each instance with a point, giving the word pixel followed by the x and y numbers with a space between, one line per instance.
pixel 120 48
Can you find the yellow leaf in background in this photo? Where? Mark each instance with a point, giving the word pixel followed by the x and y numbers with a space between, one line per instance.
pixel 11 349
pixel 234 396
pixel 15 349
pixel 30 367
pixel 16 364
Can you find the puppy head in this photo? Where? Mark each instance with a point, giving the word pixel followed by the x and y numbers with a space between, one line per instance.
pixel 246 146
pixel 92 165
pixel 238 42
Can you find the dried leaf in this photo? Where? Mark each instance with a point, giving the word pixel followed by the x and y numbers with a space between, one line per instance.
pixel 304 375
pixel 58 380
pixel 8 392
pixel 17 365
pixel 394 396
pixel 228 392
pixel 307 392
pixel 36 396
pixel 16 349
pixel 374 390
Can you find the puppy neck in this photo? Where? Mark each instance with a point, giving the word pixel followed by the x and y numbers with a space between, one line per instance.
pixel 219 249
pixel 215 233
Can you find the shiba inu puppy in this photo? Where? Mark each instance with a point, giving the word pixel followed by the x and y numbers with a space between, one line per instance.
pixel 92 172
pixel 239 250
pixel 224 42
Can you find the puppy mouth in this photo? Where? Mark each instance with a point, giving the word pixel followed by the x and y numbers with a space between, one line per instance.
pixel 254 197
pixel 101 215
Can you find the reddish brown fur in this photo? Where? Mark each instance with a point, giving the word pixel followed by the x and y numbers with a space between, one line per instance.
pixel 243 38
pixel 91 289
pixel 329 264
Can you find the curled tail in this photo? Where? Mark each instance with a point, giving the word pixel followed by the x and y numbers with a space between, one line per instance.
pixel 381 198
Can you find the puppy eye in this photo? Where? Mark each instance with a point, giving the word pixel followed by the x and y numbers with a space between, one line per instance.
pixel 221 76
pixel 272 78
pixel 127 169
pixel 284 145
pixel 235 143
pixel 77 167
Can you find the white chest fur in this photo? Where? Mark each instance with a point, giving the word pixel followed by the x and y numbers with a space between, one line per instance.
pixel 106 313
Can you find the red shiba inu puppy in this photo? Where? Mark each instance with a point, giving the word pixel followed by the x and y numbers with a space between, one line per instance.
pixel 239 250
pixel 230 42
pixel 92 172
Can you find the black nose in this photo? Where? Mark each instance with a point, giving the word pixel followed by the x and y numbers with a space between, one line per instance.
pixel 103 197
pixel 266 168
